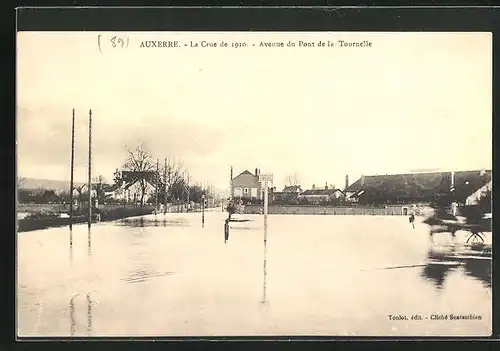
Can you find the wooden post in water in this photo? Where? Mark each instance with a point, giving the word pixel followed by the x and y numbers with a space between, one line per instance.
pixel 72 172
pixel 203 211
pixel 90 169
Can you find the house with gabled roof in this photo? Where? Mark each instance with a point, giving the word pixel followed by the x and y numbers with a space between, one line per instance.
pixel 246 186
pixel 321 196
pixel 292 189
pixel 289 194
pixel 124 190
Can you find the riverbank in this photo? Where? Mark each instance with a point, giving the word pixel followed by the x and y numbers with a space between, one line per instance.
pixel 43 222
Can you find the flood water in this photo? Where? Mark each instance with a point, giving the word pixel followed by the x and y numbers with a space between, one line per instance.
pixel 326 275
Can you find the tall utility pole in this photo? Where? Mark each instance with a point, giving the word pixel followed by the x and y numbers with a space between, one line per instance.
pixel 231 184
pixel 157 183
pixel 90 169
pixel 72 171
pixel 265 240
pixel 265 179
pixel 165 187
pixel 188 189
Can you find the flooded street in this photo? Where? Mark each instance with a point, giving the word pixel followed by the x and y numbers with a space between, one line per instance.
pixel 326 275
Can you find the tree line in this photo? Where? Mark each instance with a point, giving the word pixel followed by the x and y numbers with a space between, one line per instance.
pixel 147 179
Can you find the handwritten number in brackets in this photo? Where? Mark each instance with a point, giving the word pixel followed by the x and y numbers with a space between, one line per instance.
pixel 118 41
pixel 115 42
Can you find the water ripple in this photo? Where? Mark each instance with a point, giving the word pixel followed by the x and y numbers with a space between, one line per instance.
pixel 143 275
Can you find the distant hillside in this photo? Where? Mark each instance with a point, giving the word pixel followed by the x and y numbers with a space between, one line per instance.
pixel 56 185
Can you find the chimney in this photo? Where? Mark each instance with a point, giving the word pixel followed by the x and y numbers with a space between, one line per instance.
pixel 314 187
pixel 346 182
pixel 256 173
pixel 452 181
pixel 326 185
pixel 362 180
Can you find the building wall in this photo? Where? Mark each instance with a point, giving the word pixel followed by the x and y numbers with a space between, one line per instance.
pixel 418 210
pixel 325 210
pixel 249 182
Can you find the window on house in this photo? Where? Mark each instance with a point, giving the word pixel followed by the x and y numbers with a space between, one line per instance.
pixel 246 191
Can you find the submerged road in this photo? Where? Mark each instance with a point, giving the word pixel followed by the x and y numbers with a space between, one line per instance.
pixel 326 275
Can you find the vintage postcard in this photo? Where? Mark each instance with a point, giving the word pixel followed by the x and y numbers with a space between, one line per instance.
pixel 254 184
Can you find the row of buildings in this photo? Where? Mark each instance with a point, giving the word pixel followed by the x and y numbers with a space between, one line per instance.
pixel 464 187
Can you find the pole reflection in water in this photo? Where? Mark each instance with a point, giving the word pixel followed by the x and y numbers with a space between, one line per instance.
pixel 72 319
pixel 89 242
pixel 71 246
pixel 266 211
pixel 72 315
pixel 265 260
pixel 89 315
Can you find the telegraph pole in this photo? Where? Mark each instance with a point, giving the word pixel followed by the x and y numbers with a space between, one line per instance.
pixel 165 188
pixel 265 179
pixel 90 169
pixel 157 184
pixel 72 171
pixel 265 240
pixel 188 189
pixel 231 184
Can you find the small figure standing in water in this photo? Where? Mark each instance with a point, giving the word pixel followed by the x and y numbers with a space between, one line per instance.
pixel 226 230
pixel 412 220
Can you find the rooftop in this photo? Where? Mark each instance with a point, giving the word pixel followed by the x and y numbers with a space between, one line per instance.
pixel 422 185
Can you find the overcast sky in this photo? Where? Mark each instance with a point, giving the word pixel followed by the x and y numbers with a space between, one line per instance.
pixel 411 101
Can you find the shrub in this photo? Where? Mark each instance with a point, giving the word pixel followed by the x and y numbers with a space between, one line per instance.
pixel 43 214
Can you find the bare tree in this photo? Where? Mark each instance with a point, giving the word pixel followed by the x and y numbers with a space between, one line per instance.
pixel 173 180
pixel 141 163
pixel 99 185
pixel 293 179
pixel 81 194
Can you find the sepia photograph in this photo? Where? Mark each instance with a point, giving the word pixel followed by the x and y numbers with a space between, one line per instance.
pixel 204 184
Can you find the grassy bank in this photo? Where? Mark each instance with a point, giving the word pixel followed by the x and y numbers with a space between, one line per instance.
pixel 44 220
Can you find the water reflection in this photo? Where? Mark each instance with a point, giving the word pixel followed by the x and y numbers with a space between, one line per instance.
pixel 147 222
pixel 72 319
pixel 89 242
pixel 264 297
pixel 71 246
pixel 143 275
pixel 89 315
pixel 438 267
pixel 143 268
pixel 475 260
pixel 72 314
